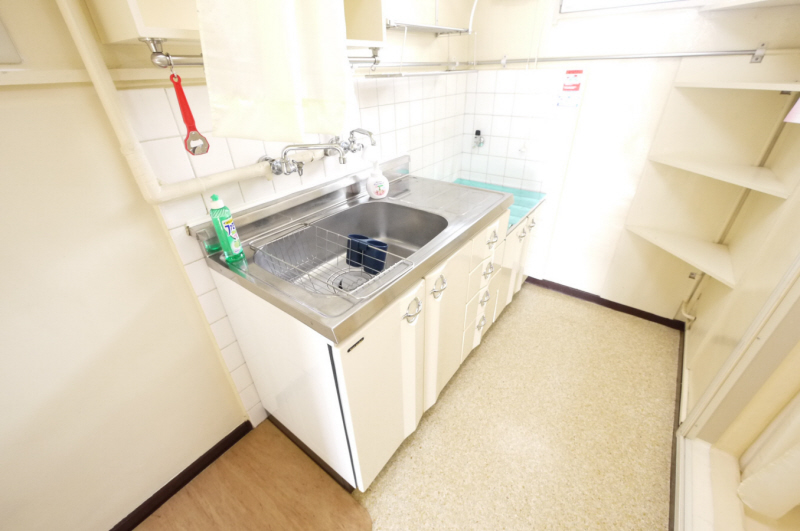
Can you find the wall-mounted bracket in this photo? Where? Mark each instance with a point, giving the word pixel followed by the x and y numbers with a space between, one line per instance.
pixel 758 56
pixel 165 60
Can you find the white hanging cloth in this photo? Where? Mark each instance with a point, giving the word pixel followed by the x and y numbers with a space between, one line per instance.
pixel 275 69
pixel 771 466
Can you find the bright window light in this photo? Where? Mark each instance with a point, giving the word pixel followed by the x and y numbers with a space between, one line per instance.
pixel 573 6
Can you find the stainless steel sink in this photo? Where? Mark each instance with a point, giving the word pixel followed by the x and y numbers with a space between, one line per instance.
pixel 405 229
pixel 296 246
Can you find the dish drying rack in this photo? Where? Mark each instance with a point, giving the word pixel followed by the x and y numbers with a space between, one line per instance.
pixel 316 260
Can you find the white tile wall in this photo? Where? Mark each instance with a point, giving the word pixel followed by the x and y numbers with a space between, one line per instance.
pixel 419 116
pixel 430 118
pixel 527 136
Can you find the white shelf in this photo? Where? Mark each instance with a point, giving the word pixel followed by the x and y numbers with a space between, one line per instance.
pixel 789 86
pixel 753 177
pixel 734 4
pixel 711 258
pixel 424 28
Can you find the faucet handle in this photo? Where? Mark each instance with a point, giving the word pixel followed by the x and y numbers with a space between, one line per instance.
pixel 275 165
pixel 299 166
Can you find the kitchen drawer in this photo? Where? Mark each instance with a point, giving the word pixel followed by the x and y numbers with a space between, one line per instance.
pixel 477 305
pixel 479 278
pixel 487 241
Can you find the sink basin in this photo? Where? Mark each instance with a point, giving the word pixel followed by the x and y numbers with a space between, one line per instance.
pixel 296 246
pixel 404 229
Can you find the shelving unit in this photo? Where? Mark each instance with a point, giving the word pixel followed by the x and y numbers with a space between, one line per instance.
pixel 694 210
pixel 711 258
pixel 752 177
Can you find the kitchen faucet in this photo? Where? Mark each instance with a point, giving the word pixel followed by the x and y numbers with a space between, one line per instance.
pixel 285 166
pixel 350 144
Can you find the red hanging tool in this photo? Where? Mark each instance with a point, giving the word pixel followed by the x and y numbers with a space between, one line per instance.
pixel 195 143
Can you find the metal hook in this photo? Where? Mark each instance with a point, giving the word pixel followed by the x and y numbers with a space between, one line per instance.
pixel 171 64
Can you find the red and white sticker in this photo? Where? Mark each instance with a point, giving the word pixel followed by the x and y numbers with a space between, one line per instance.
pixel 572 81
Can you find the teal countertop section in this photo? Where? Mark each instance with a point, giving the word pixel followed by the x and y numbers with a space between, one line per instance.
pixel 524 200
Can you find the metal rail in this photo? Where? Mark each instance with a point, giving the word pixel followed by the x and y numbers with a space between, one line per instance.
pixel 165 60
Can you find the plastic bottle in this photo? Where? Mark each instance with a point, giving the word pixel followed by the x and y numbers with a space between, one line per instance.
pixel 377 183
pixel 226 230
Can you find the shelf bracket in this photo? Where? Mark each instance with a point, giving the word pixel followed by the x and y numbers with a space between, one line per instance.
pixel 758 56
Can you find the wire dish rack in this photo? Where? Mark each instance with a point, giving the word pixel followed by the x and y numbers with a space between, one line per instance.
pixel 316 260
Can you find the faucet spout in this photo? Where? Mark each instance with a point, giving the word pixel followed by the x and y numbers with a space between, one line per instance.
pixel 314 147
pixel 363 132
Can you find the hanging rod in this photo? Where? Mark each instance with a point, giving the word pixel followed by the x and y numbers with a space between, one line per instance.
pixel 670 55
pixel 576 58
pixel 165 60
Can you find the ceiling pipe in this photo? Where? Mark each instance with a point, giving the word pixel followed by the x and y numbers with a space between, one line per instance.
pixel 152 189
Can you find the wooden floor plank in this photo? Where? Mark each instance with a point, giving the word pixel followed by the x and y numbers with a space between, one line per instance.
pixel 263 482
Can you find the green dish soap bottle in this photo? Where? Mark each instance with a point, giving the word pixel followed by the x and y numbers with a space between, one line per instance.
pixel 226 230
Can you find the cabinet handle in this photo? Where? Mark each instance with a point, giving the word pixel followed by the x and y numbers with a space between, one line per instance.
pixel 438 292
pixel 482 322
pixel 533 224
pixel 493 240
pixel 523 233
pixel 411 317
pixel 489 270
pixel 485 298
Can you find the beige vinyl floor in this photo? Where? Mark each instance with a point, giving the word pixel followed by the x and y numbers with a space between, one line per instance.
pixel 561 419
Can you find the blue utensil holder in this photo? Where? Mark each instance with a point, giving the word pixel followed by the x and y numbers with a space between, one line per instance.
pixel 375 256
pixel 356 247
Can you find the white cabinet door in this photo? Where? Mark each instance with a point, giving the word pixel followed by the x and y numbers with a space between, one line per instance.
pixel 512 256
pixel 526 237
pixel 445 299
pixel 502 280
pixel 379 372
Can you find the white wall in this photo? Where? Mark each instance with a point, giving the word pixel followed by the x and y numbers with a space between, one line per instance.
pixel 110 383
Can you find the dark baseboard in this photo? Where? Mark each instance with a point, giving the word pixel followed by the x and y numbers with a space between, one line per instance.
pixel 163 494
pixel 314 457
pixel 590 297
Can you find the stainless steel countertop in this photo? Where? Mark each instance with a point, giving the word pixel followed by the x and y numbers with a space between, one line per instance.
pixel 467 211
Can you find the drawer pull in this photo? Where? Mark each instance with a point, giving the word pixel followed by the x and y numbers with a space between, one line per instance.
pixel 493 240
pixel 482 322
pixel 411 317
pixel 485 298
pixel 489 270
pixel 523 233
pixel 532 224
pixel 438 292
